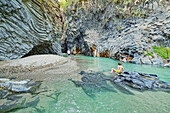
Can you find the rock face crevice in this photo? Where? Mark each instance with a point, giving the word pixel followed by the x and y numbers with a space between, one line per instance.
pixel 24 25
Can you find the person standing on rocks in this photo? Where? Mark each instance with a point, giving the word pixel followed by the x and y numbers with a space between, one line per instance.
pixel 68 52
pixel 120 69
pixel 74 52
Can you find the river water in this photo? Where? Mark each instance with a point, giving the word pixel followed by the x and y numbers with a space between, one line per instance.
pixel 65 97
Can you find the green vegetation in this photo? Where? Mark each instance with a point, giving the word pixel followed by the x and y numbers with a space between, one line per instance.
pixel 149 54
pixel 161 51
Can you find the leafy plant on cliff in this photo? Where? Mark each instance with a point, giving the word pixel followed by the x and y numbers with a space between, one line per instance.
pixel 149 54
pixel 161 51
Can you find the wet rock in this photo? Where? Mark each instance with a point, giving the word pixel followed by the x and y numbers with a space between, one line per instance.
pixel 27 88
pixel 18 87
pixel 19 82
pixel 95 82
pixel 5 85
pixel 18 101
pixel 15 94
pixel 3 93
pixel 167 65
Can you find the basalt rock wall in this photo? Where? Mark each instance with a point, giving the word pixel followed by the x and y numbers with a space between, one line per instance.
pixel 101 31
pixel 27 27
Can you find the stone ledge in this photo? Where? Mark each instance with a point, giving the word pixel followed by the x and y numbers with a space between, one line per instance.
pixel 31 63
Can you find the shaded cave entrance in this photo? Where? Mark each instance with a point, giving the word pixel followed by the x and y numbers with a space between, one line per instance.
pixel 44 48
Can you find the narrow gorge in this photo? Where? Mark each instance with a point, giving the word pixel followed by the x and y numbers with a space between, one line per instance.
pixel 100 28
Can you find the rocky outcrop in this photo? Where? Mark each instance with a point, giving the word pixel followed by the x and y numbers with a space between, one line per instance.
pixel 17 94
pixel 17 101
pixel 142 81
pixel 28 27
pixel 167 65
pixel 96 29
pixel 32 63
pixel 95 82
pixel 11 87
pixel 115 36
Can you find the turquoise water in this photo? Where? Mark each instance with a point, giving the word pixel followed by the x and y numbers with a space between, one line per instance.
pixel 67 98
pixel 105 64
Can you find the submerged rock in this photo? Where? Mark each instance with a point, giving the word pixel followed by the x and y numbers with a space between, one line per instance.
pixel 95 82
pixel 18 87
pixel 17 101
pixel 3 93
pixel 15 94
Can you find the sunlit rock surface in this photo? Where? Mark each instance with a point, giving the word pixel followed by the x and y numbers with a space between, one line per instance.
pixel 31 63
pixel 27 27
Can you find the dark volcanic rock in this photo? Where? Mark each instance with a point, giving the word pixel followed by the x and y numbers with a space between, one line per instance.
pixel 26 27
pixel 16 94
pixel 17 101
pixel 18 87
pixel 95 82
pixel 3 93
pixel 116 37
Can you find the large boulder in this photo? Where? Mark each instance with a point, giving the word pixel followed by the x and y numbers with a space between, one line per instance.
pixel 31 63
pixel 157 61
pixel 146 60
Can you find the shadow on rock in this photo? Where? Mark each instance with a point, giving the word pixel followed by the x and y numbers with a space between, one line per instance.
pixel 96 82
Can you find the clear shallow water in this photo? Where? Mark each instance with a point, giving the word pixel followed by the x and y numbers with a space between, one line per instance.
pixel 105 64
pixel 67 98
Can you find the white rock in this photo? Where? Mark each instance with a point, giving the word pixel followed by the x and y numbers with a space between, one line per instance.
pixel 167 65
pixel 4 79
pixel 19 82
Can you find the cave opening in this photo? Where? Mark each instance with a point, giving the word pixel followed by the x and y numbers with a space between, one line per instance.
pixel 44 48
